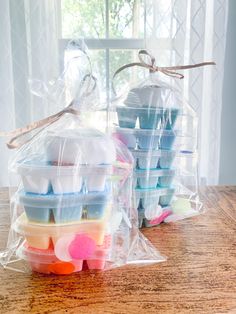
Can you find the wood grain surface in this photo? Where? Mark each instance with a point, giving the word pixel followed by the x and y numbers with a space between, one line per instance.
pixel 198 277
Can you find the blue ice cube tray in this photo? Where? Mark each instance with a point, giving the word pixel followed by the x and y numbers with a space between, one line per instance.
pixel 149 117
pixel 160 196
pixel 63 208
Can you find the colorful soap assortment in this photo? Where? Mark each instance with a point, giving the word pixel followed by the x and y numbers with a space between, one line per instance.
pixel 148 126
pixel 66 204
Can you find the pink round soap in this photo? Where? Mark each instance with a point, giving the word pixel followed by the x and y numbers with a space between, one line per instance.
pixel 82 247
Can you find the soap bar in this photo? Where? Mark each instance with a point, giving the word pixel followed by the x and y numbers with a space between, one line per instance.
pixel 181 206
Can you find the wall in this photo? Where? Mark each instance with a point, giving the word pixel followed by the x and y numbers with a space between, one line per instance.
pixel 228 127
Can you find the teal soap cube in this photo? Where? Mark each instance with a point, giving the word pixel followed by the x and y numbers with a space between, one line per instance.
pixel 126 117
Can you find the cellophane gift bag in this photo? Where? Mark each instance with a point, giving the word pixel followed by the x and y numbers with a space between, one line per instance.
pixel 72 207
pixel 160 129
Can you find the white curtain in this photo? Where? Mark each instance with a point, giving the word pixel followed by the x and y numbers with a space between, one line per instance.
pixel 177 31
pixel 29 49
pixel 187 32
pixel 7 108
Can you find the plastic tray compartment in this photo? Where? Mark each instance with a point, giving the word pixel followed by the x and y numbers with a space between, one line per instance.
pixel 63 208
pixel 146 139
pixel 149 117
pixel 47 261
pixel 41 177
pixel 41 236
pixel 150 179
pixel 146 199
pixel 154 159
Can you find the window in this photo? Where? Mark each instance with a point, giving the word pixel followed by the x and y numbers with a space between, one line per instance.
pixel 114 30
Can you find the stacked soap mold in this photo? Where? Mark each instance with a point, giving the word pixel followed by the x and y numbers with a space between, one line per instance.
pixel 158 131
pixel 64 205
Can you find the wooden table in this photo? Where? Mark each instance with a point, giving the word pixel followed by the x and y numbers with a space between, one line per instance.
pixel 199 276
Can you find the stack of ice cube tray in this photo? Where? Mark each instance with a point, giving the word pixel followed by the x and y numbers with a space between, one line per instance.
pixel 65 213
pixel 152 146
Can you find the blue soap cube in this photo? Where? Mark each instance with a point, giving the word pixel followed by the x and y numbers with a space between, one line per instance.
pixel 149 201
pixel 165 181
pixel 167 140
pixel 148 162
pixel 127 117
pixel 37 214
pixel 67 214
pixel 165 200
pixel 165 162
pixel 95 211
pixel 147 182
pixel 148 141
pixel 149 119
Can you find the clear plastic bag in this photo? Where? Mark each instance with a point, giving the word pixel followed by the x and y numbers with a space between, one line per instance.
pixel 72 206
pixel 72 209
pixel 160 130
pixel 76 82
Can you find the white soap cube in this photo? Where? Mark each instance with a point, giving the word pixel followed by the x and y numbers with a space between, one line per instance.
pixel 67 184
pixel 35 184
pixel 96 183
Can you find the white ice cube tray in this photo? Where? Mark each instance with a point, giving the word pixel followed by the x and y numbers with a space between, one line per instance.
pixel 146 139
pixel 162 159
pixel 42 178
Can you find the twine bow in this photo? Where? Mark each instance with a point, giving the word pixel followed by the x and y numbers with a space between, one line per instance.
pixel 152 67
pixel 20 132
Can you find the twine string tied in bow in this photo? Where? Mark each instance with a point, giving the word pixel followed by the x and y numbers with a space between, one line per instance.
pixel 40 124
pixel 152 67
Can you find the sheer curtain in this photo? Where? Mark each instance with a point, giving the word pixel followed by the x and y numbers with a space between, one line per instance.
pixel 188 32
pixel 29 49
pixel 177 32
